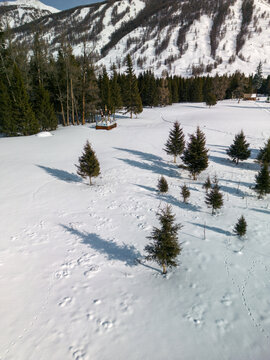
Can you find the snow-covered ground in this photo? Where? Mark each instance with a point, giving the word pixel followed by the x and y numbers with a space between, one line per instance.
pixel 70 284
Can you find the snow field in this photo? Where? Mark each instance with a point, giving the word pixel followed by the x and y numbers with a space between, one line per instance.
pixel 72 285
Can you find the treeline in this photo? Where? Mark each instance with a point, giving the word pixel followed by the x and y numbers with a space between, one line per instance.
pixel 41 90
pixel 167 90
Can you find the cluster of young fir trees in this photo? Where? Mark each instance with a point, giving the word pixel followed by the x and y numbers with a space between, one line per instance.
pixel 165 247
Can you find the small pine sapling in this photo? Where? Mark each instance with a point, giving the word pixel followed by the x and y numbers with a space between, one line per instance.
pixel 214 198
pixel 88 163
pixel 207 184
pixel 164 247
pixel 162 185
pixel 176 142
pixel 239 150
pixel 185 193
pixel 262 186
pixel 240 228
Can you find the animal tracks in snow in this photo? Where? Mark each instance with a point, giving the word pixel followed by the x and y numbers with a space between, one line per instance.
pixel 196 315
pixel 242 287
pixel 65 302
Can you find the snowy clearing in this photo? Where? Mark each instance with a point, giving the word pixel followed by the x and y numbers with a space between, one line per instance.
pixel 71 287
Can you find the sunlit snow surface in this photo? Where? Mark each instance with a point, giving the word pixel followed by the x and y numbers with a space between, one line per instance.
pixel 71 287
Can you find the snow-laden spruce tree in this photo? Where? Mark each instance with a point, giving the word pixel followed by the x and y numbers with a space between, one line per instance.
pixel 176 142
pixel 214 198
pixel 240 227
pixel 164 246
pixel 264 153
pixel 262 186
pixel 239 150
pixel 88 163
pixel 195 155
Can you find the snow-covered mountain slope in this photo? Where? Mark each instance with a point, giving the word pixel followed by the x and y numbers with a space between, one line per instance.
pixel 18 12
pixel 71 288
pixel 184 37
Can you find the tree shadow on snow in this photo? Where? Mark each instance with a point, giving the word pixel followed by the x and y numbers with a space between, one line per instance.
pixel 228 162
pixel 196 106
pixel 61 174
pixel 263 211
pixel 246 107
pixel 218 152
pixel 148 157
pixel 233 191
pixel 127 254
pixel 213 228
pixel 255 152
pixel 218 146
pixel 240 183
pixel 154 163
pixel 169 199
pixel 148 188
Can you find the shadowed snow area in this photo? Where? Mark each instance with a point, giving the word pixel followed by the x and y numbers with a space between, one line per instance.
pixel 73 278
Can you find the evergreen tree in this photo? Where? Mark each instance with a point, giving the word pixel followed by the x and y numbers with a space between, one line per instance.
pixel 239 150
pixel 196 90
pixel 258 77
pixel 195 156
pixel 176 142
pixel 7 125
pixel 207 184
pixel 214 198
pixel 237 86
pixel 61 84
pixel 175 90
pixel 148 89
pixel 132 99
pixel 89 98
pixel 264 153
pixel 208 87
pixel 23 116
pixel 6 64
pixel 240 228
pixel 115 93
pixel 185 193
pixel 88 163
pixel 262 186
pixel 38 63
pixel 92 93
pixel 163 91
pixel 162 185
pixel 105 92
pixel 44 110
pixel 164 247
pixel 210 99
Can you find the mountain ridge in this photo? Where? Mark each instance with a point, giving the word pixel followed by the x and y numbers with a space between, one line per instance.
pixel 182 37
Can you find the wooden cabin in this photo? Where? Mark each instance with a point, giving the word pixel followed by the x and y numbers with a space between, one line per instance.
pixel 250 97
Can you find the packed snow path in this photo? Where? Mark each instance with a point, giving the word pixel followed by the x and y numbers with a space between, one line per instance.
pixel 71 283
